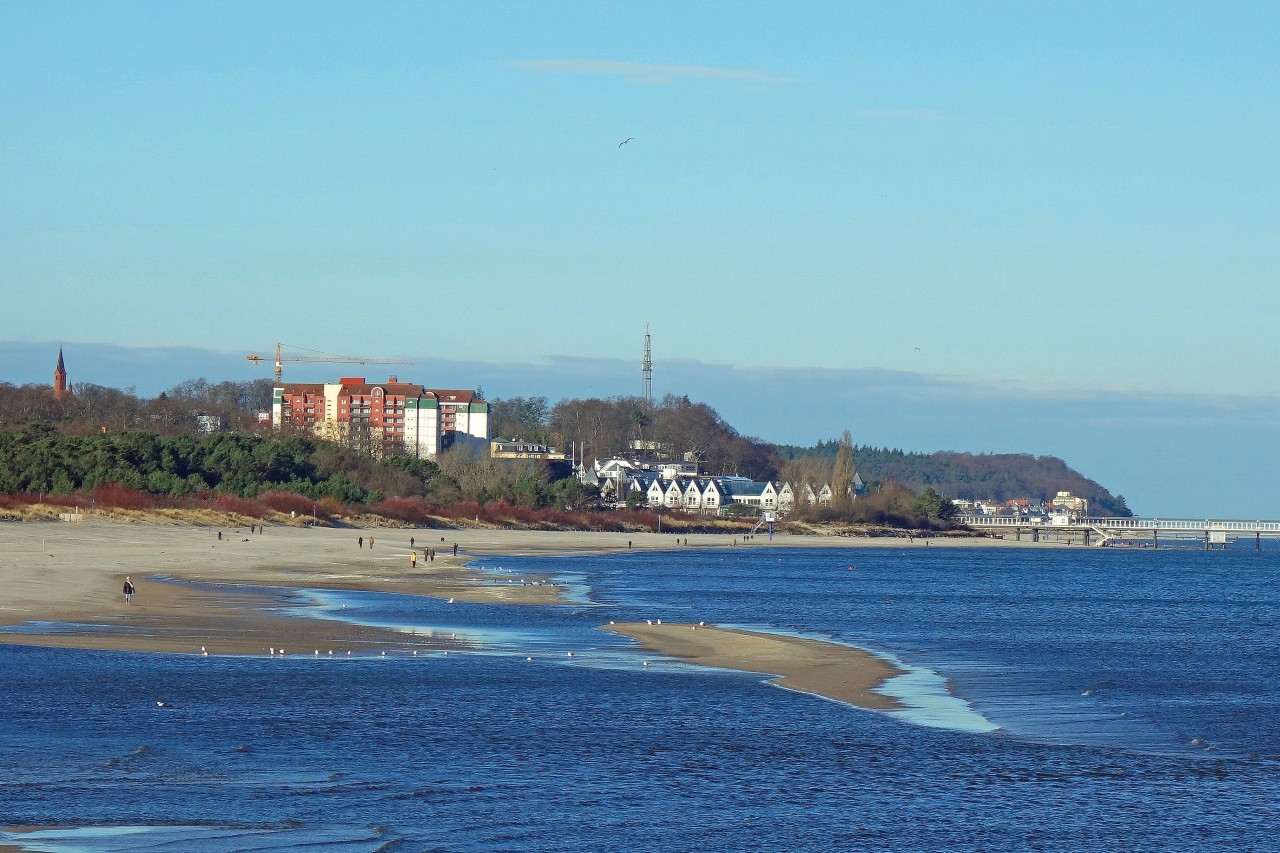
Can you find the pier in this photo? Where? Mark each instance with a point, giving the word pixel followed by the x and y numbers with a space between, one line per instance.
pixel 1117 531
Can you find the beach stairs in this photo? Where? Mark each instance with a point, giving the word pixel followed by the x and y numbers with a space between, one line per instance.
pixel 1103 536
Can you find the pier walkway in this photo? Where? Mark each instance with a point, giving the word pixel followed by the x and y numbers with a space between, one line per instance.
pixel 1108 531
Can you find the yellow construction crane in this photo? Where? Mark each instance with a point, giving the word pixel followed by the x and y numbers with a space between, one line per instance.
pixel 321 357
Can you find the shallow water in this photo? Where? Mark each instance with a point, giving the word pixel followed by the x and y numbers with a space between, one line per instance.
pixel 1098 700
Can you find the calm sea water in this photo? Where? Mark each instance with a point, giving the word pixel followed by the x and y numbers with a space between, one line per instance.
pixel 1061 700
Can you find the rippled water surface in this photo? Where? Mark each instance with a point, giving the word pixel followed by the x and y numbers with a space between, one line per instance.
pixel 1097 700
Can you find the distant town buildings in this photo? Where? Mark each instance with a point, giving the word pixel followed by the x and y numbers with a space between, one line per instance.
pixel 679 485
pixel 382 418
pixel 1065 508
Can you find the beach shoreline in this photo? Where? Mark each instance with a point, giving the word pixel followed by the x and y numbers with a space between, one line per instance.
pixel 233 591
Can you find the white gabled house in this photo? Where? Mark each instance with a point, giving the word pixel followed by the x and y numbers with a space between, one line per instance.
pixel 692 499
pixel 713 497
pixel 655 492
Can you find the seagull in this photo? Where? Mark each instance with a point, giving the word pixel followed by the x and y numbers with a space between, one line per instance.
pixel 450 601
pixel 646 663
pixel 159 704
pixel 570 654
pixel 528 660
pixel 272 650
pixel 650 621
pixel 625 141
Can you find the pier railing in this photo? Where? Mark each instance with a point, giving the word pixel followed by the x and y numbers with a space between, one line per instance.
pixel 1172 525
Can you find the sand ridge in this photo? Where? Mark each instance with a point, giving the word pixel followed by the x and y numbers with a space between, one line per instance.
pixel 810 666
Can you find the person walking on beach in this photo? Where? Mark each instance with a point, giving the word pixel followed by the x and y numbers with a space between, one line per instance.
pixel 410 541
pixel 128 590
pixel 413 559
pixel 361 541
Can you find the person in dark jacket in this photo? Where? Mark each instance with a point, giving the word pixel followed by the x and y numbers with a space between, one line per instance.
pixel 128 590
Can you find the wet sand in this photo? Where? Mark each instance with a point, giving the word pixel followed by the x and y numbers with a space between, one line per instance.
pixel 62 582
pixel 810 666
pixel 73 574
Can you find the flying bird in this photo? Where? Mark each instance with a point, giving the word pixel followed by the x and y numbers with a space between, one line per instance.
pixel 625 141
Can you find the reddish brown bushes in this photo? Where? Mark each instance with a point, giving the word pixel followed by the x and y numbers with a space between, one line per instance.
pixel 236 506
pixel 122 497
pixel 286 502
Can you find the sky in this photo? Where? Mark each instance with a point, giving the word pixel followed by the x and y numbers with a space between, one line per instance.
pixel 990 226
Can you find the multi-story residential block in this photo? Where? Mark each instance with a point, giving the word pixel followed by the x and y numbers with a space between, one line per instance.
pixel 382 418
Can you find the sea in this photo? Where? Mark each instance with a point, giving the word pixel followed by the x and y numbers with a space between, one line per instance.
pixel 1056 699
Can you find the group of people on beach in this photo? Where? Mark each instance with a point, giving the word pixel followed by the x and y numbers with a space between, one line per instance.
pixel 427 553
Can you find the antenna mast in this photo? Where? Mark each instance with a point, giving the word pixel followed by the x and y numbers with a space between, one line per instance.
pixel 646 368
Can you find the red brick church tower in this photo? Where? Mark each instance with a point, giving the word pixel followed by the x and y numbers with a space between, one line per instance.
pixel 60 387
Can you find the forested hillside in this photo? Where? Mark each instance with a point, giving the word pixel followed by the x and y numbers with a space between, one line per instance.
pixel 149 444
pixel 35 458
pixel 996 476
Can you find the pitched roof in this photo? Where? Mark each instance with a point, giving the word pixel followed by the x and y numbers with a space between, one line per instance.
pixel 452 396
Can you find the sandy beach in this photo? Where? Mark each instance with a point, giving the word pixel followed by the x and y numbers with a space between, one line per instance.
pixel 810 666
pixel 232 591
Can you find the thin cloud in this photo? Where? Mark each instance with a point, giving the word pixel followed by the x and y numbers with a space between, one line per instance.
pixel 901 115
pixel 637 72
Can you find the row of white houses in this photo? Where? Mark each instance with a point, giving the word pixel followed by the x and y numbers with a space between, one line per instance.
pixel 680 489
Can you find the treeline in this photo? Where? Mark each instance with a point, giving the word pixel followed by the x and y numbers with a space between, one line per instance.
pixel 611 426
pixel 997 476
pixel 38 459
pixel 93 408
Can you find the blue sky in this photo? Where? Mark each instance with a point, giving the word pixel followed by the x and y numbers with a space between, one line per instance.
pixel 1074 200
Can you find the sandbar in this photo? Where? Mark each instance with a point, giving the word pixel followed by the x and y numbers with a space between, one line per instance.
pixel 832 670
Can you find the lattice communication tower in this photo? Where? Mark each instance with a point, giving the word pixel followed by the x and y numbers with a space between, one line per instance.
pixel 646 368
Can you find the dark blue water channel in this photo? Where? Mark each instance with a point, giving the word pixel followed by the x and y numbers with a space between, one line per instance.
pixel 1062 700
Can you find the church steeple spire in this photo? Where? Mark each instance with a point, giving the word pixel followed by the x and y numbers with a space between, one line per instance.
pixel 60 387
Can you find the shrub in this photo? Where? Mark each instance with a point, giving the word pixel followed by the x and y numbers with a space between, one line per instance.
pixel 233 505
pixel 409 510
pixel 121 497
pixel 287 502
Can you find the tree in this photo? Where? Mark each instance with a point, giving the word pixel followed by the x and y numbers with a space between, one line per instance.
pixel 520 417
pixel 843 474
pixel 933 506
